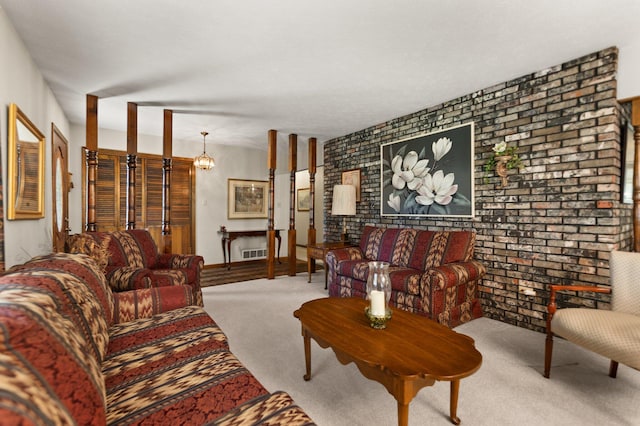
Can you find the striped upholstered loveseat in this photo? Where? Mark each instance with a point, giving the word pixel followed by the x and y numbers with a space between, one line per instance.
pixel 433 273
pixel 74 353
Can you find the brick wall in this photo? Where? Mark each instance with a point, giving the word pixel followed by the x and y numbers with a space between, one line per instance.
pixel 557 220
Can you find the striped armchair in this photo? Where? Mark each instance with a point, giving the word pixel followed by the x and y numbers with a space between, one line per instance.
pixel 130 261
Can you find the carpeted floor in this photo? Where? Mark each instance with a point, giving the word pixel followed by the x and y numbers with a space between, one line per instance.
pixel 509 389
pixel 246 271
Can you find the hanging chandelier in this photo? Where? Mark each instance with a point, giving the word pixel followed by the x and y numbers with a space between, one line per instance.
pixel 204 161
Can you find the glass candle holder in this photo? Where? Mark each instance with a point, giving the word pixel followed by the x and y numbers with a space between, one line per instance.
pixel 378 294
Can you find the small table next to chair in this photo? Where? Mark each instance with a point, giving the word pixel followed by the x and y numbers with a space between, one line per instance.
pixel 319 251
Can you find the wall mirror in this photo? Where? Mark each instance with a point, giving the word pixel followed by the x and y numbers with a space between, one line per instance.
pixel 26 167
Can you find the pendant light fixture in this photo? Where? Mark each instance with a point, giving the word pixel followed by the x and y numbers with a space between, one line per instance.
pixel 204 161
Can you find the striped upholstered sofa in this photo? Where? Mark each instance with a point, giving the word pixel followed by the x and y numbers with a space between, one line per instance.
pixel 74 353
pixel 130 260
pixel 433 273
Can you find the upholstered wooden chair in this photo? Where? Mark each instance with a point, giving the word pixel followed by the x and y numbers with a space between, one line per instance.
pixel 130 261
pixel 614 333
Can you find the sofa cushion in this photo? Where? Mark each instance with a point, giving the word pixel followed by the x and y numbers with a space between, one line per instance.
pixel 144 303
pixel 405 280
pixel 402 279
pixel 87 244
pixel 80 287
pixel 434 249
pixel 392 245
pixel 50 375
pixel 273 409
pixel 125 251
pixel 171 367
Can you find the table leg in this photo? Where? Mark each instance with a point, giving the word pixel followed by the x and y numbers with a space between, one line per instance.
pixel 309 266
pixel 453 405
pixel 403 414
pixel 326 273
pixel 229 251
pixel 279 241
pixel 224 251
pixel 307 356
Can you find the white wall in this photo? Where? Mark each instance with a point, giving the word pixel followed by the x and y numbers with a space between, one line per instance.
pixel 628 71
pixel 22 83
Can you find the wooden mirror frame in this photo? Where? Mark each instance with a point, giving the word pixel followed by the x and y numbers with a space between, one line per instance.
pixel 26 167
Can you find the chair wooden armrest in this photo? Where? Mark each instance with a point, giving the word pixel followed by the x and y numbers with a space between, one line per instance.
pixel 551 307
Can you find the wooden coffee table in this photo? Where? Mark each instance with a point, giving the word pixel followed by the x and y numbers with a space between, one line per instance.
pixel 411 353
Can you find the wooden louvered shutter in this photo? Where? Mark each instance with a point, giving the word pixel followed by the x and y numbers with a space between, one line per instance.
pixel 107 193
pixel 153 191
pixel 111 188
pixel 182 200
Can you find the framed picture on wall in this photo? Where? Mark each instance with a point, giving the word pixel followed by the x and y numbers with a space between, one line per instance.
pixel 429 175
pixel 247 199
pixel 304 199
pixel 352 177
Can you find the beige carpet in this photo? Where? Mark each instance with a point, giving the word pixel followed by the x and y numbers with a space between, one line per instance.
pixel 509 389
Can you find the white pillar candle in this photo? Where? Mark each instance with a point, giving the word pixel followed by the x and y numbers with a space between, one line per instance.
pixel 377 303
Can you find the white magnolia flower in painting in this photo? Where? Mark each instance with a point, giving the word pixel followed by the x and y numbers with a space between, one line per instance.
pixel 437 188
pixel 441 148
pixel 394 202
pixel 408 171
pixel 500 147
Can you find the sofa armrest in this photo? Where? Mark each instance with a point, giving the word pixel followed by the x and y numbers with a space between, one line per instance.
pixel 336 256
pixel 190 264
pixel 450 292
pixel 179 261
pixel 127 278
pixel 144 303
pixel 451 275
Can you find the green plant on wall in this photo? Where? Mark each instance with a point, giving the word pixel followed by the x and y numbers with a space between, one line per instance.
pixel 504 158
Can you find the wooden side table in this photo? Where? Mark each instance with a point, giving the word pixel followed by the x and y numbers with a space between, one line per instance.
pixel 319 251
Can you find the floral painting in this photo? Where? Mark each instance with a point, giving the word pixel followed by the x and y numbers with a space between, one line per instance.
pixel 429 175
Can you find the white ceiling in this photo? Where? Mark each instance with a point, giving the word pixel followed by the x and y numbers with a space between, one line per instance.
pixel 238 68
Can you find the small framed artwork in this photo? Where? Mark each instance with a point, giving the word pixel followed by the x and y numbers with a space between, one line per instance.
pixel 247 199
pixel 352 177
pixel 304 199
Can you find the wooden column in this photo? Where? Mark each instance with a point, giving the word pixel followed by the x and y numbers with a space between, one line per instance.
pixel 293 164
pixel 167 160
pixel 271 233
pixel 635 121
pixel 91 161
pixel 132 158
pixel 311 235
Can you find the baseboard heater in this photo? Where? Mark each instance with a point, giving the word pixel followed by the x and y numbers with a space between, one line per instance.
pixel 257 253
